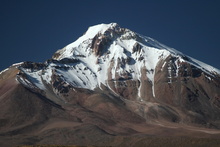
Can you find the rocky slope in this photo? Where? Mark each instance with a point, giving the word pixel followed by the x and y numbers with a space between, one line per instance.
pixel 109 83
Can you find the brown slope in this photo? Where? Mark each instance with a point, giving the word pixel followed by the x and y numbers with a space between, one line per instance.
pixel 30 118
pixel 90 118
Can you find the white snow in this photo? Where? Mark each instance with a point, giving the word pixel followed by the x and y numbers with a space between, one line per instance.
pixel 79 77
pixel 208 77
pixel 163 65
pixel 92 70
pixel 205 67
pixel 90 33
pixel 35 77
pixel 120 49
pixel 4 70
pixel 17 64
pixel 46 75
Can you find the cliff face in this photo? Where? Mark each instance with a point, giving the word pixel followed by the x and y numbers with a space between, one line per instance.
pixel 110 82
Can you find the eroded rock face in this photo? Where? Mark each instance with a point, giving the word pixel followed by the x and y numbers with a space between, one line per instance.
pixel 189 92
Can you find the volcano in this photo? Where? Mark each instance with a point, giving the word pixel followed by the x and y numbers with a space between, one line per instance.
pixel 114 87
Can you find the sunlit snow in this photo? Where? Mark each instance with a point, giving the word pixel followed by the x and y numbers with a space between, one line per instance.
pixel 92 71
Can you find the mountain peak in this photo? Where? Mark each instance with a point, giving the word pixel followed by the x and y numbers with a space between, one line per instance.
pixel 111 53
pixel 99 38
pixel 111 77
pixel 100 29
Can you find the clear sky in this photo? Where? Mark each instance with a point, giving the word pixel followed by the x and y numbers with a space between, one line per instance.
pixel 32 30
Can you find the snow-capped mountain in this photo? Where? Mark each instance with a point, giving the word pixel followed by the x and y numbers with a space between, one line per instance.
pixel 113 71
pixel 110 56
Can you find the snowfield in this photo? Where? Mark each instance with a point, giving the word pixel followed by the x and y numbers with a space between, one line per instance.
pixel 125 52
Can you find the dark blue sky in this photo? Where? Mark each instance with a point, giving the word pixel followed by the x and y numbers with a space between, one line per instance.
pixel 32 30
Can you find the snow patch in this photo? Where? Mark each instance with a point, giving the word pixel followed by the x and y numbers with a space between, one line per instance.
pixel 17 64
pixel 163 65
pixel 4 70
pixel 204 67
pixel 47 74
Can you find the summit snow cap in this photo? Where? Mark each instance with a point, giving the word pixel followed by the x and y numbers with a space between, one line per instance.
pixel 98 36
pixel 110 56
pixel 109 32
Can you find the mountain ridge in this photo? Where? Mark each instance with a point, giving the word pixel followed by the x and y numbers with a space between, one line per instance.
pixel 123 46
pixel 113 82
